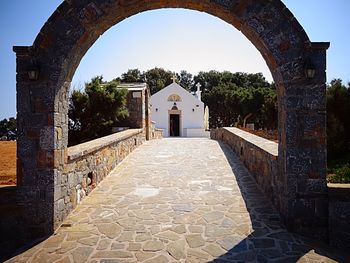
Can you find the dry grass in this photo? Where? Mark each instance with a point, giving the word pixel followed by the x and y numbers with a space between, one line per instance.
pixel 7 163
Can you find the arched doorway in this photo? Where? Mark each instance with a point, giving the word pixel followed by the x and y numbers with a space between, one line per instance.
pixel 300 192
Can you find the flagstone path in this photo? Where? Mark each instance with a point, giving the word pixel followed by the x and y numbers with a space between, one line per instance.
pixel 176 200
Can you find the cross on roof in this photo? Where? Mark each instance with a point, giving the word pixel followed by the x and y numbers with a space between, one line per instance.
pixel 174 78
pixel 198 85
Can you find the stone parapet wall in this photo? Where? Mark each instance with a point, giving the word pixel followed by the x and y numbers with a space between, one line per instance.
pixel 157 133
pixel 259 155
pixel 339 215
pixel 88 164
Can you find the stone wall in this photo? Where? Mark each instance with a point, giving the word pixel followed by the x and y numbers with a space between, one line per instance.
pixel 87 165
pixel 259 155
pixel 339 215
pixel 42 102
pixel 137 109
pixel 157 133
pixel 13 232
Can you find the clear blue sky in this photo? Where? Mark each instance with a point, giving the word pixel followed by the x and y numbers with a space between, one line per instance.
pixel 174 39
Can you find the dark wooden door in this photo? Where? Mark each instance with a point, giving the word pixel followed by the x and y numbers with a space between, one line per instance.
pixel 174 125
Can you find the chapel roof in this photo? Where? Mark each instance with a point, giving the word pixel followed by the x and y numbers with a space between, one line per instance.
pixel 172 88
pixel 133 86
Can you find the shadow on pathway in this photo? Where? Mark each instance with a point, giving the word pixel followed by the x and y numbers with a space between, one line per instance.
pixel 270 241
pixel 177 200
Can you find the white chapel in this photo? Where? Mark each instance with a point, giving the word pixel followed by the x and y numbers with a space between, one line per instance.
pixel 178 112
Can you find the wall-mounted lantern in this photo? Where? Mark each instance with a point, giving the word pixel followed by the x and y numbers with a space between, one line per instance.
pixel 310 69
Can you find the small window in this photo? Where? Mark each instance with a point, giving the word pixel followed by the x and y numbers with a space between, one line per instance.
pixel 174 97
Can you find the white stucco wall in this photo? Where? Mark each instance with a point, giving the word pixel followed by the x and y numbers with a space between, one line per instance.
pixel 189 119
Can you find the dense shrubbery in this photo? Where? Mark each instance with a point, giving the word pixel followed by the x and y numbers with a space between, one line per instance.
pixel 8 129
pixel 94 111
pixel 237 98
pixel 339 170
pixel 338 119
pixel 338 131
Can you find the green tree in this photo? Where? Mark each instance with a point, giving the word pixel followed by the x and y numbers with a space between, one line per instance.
pixel 234 98
pixel 208 80
pixel 94 111
pixel 269 110
pixel 338 121
pixel 8 128
pixel 185 79
pixel 157 79
pixel 213 78
pixel 132 76
pixel 220 114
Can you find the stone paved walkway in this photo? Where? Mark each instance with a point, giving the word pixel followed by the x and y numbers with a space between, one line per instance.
pixel 176 200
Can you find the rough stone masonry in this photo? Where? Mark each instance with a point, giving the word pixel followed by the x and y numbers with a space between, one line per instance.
pixel 42 103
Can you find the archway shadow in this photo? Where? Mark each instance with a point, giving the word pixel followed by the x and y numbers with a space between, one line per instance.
pixel 16 236
pixel 269 241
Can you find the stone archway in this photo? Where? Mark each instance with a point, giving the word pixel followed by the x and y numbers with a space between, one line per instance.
pixel 300 191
